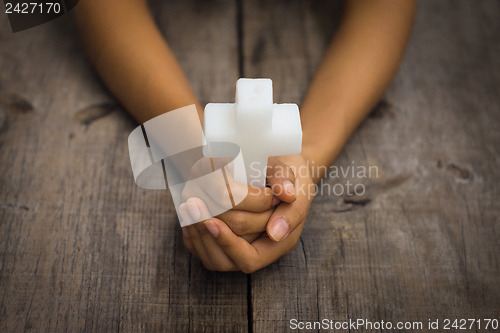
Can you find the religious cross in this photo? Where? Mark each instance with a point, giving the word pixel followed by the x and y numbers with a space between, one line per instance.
pixel 259 127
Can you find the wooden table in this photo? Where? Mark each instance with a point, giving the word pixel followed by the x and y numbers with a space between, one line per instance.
pixel 82 248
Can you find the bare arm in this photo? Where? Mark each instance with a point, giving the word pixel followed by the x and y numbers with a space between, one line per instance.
pixel 138 67
pixel 132 57
pixel 355 71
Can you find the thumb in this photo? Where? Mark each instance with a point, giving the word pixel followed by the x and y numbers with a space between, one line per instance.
pixel 286 218
pixel 281 178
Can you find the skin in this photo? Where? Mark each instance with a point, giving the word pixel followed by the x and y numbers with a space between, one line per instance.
pixel 357 67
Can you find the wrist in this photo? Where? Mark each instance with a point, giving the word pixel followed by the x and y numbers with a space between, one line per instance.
pixel 319 158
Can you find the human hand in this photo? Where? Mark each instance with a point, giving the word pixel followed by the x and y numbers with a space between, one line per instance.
pixel 219 248
pixel 250 216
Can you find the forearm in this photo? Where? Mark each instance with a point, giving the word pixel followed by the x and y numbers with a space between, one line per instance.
pixel 356 69
pixel 132 58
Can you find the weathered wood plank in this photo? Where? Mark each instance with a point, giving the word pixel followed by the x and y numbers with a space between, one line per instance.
pixel 423 242
pixel 203 36
pixel 81 247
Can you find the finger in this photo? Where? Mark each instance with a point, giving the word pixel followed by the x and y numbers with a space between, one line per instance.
pixel 249 257
pixel 286 218
pixel 240 251
pixel 255 200
pixel 218 259
pixel 259 219
pixel 281 178
pixel 199 247
pixel 249 238
pixel 213 190
pixel 242 222
pixel 186 218
pixel 188 242
pixel 219 198
pixel 215 255
pixel 217 202
pixel 272 251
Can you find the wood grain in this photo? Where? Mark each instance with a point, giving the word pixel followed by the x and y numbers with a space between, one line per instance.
pixel 82 248
pixel 423 241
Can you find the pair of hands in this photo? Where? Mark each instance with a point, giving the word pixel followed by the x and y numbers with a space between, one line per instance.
pixel 263 227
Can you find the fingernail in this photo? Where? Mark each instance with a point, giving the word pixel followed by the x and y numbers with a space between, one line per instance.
pixel 276 201
pixel 185 233
pixel 194 211
pixel 186 219
pixel 288 186
pixel 212 228
pixel 279 229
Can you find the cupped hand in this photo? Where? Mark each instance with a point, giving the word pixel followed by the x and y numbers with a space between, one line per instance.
pixel 220 248
pixel 250 216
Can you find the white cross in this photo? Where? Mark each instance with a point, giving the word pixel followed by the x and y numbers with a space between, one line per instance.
pixel 259 127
